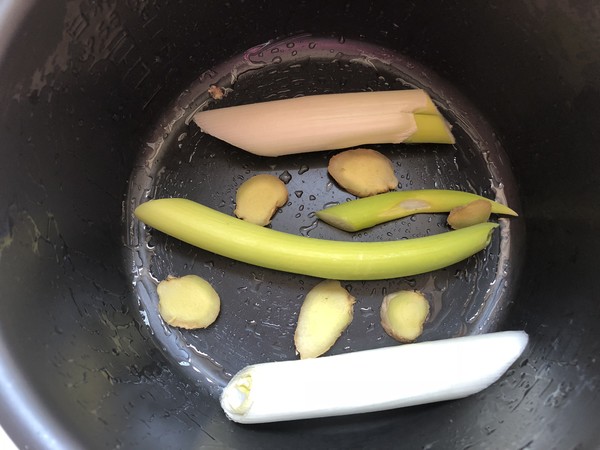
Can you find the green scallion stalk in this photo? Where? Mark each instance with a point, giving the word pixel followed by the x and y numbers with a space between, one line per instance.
pixel 234 238
pixel 367 212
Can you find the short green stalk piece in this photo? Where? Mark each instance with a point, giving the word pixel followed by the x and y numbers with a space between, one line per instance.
pixel 367 212
pixel 228 236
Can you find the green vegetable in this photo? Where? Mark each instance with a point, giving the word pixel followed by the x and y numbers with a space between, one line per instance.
pixel 234 238
pixel 363 213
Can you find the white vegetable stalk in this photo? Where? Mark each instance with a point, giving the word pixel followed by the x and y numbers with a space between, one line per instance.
pixel 371 380
pixel 328 122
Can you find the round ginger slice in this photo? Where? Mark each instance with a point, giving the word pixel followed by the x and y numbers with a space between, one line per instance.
pixel 258 198
pixel 363 172
pixel 403 314
pixel 188 302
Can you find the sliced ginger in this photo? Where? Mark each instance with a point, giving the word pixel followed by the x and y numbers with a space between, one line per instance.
pixel 258 198
pixel 477 211
pixel 363 172
pixel 188 302
pixel 326 312
pixel 403 314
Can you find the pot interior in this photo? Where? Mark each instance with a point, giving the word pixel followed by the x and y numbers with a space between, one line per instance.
pixel 260 306
pixel 96 99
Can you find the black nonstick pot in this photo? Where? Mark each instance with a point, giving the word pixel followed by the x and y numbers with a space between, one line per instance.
pixel 96 99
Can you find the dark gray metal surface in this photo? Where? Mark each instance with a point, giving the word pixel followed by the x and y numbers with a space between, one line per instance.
pixel 84 85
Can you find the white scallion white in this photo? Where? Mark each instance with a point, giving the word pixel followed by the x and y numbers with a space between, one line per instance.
pixel 371 380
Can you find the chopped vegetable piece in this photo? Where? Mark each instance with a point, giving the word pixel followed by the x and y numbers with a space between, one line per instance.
pixel 258 198
pixel 403 314
pixel 216 92
pixel 188 302
pixel 325 314
pixel 363 213
pixel 363 172
pixel 472 213
pixel 370 380
pixel 227 236
pixel 328 122
pixel 430 128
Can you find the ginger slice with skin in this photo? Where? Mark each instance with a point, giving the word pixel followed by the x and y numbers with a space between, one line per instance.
pixel 477 211
pixel 326 312
pixel 258 198
pixel 363 172
pixel 403 314
pixel 188 302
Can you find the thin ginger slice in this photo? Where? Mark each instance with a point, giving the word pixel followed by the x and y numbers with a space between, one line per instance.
pixel 326 312
pixel 403 314
pixel 477 211
pixel 258 198
pixel 188 302
pixel 363 172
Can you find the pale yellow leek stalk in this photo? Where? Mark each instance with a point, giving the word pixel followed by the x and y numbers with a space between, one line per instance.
pixel 328 122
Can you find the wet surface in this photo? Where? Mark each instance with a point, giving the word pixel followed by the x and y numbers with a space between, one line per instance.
pixel 259 306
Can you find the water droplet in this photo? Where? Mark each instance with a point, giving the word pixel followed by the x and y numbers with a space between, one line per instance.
pixel 286 177
pixel 298 193
pixel 182 136
pixel 367 311
pixel 304 231
pixel 303 169
pixel 294 53
pixel 276 60
pixel 342 39
pixel 275 50
pixel 290 45
pixel 312 197
pixel 251 325
pixel 312 45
